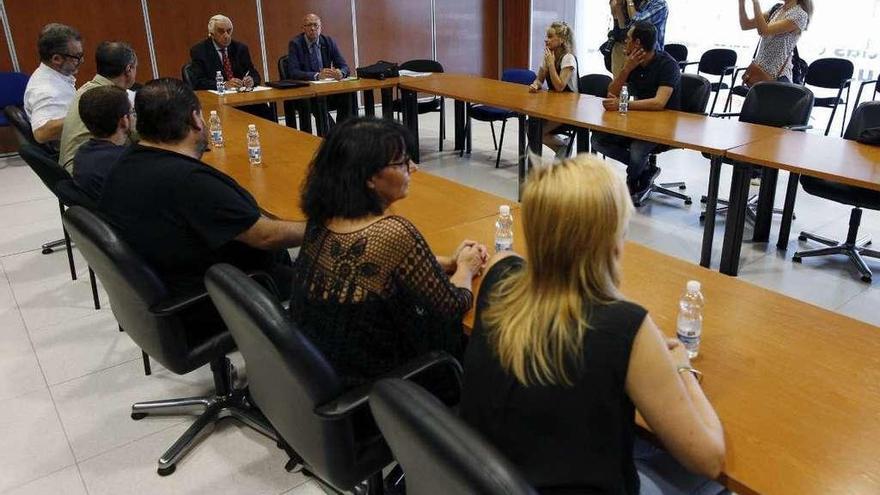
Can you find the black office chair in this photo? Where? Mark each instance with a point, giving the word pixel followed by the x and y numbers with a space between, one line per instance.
pixel 62 186
pixel 862 84
pixel 186 75
pixel 719 62
pixel 19 120
pixel 425 105
pixel 866 115
pixel 775 104
pixel 591 84
pixel 490 114
pixel 695 92
pixel 158 324
pixel 290 110
pixel 678 52
pixel 323 427
pixel 439 453
pixel 831 73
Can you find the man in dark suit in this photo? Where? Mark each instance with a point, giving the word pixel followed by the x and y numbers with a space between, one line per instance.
pixel 219 52
pixel 312 56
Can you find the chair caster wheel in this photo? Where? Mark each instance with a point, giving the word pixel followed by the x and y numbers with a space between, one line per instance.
pixel 682 187
pixel 866 279
pixel 802 238
pixel 688 202
pixel 48 251
pixel 138 416
pixel 702 218
pixel 166 471
pixel 704 200
pixel 796 259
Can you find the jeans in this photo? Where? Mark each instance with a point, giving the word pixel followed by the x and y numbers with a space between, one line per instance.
pixel 632 152
pixel 661 474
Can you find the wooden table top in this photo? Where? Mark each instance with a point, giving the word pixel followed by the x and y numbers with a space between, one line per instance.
pixel 677 129
pixel 826 157
pixel 310 91
pixel 797 387
pixel 434 203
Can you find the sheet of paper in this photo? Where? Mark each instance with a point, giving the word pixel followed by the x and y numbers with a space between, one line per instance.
pixel 325 81
pixel 232 91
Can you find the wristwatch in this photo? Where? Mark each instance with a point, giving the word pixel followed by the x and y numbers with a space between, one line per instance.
pixel 690 369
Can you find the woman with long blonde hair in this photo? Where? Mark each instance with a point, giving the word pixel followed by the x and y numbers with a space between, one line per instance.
pixel 559 361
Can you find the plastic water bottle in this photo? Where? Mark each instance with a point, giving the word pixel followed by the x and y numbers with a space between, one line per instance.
pixel 221 83
pixel 216 129
pixel 689 326
pixel 623 103
pixel 504 230
pixel 255 153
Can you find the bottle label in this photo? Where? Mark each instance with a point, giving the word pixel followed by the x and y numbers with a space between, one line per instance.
pixel 217 137
pixel 503 245
pixel 254 154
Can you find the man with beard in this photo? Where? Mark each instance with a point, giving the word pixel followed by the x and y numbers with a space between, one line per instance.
pixel 180 214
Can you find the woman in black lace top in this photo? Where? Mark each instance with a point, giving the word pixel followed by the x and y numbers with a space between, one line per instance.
pixel 367 289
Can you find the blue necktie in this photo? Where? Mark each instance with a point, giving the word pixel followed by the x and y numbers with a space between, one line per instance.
pixel 313 57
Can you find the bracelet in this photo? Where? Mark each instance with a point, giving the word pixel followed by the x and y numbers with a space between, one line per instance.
pixel 693 371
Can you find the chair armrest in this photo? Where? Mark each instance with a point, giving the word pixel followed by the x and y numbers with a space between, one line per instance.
pixel 729 69
pixel 173 306
pixel 724 115
pixel 351 401
pixel 800 128
pixel 861 87
pixel 685 64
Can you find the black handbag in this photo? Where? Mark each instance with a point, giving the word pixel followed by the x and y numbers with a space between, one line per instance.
pixel 871 135
pixel 379 70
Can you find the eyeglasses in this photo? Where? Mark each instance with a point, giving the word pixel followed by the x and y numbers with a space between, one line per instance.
pixel 404 162
pixel 79 58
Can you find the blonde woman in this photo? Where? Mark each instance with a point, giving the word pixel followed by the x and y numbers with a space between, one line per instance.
pixel 779 33
pixel 559 361
pixel 559 70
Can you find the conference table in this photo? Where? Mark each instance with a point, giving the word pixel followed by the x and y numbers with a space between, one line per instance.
pixel 797 387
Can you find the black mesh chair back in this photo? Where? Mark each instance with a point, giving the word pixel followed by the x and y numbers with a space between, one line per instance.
pixel 594 84
pixel 55 177
pixel 695 93
pixel 289 378
pixel 829 73
pixel 439 453
pixel 777 104
pixel 283 69
pixel 865 116
pixel 678 52
pixel 135 291
pixel 422 65
pixel 717 61
pixel 186 75
pixel 20 122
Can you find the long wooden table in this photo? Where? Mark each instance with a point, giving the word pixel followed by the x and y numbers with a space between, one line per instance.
pixel 797 387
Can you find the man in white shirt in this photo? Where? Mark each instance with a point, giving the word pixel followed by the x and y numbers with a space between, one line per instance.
pixel 51 87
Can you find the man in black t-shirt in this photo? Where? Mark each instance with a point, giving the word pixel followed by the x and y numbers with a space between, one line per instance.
pixel 106 113
pixel 653 78
pixel 180 214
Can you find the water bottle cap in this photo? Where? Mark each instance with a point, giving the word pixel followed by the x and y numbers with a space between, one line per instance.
pixel 213 112
pixel 504 210
pixel 219 73
pixel 693 286
pixel 252 127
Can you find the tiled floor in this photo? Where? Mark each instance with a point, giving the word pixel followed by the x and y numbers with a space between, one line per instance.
pixel 68 377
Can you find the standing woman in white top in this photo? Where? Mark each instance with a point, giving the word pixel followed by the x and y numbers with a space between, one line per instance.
pixel 559 69
pixel 779 34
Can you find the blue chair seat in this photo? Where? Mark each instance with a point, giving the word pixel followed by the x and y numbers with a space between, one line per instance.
pixel 485 113
pixel 3 120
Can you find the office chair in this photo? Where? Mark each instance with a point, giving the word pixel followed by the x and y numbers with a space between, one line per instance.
pixel 158 324
pixel 186 75
pixel 57 180
pixel 13 84
pixel 591 84
pixel 323 427
pixel 486 113
pixel 865 115
pixel 678 52
pixel 695 91
pixel 831 73
pixel 719 62
pixel 775 104
pixel 439 453
pixel 19 120
pixel 425 105
pixel 875 82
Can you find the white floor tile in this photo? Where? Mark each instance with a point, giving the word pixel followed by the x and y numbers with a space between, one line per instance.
pixel 96 408
pixel 863 306
pixel 34 444
pixel 19 369
pixel 232 460
pixel 75 348
pixel 66 481
pixel 309 488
